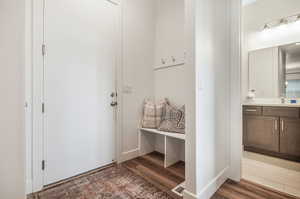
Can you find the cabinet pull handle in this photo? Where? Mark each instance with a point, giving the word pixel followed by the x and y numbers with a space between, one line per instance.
pixel 275 125
pixel 251 110
pixel 282 127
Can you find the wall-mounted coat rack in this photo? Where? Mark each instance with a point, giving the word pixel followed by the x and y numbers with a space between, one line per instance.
pixel 172 61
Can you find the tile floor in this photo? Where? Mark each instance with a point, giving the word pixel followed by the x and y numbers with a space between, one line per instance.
pixel 278 174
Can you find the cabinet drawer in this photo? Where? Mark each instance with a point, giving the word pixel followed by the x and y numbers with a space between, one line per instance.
pixel 281 111
pixel 252 110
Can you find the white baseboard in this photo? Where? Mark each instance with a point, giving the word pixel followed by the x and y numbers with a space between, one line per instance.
pixel 128 155
pixel 29 186
pixel 189 195
pixel 208 191
pixel 214 185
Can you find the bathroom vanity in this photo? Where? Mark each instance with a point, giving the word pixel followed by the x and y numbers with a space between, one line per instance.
pixel 272 129
pixel 271 113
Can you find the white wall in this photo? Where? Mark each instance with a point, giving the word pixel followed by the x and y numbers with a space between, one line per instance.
pixel 212 57
pixel 12 144
pixel 255 16
pixel 151 30
pixel 169 41
pixel 138 62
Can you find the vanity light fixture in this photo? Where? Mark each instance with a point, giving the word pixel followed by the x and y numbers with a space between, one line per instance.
pixel 282 21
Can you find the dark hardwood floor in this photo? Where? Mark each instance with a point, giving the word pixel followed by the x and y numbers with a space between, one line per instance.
pixel 151 167
pixel 248 190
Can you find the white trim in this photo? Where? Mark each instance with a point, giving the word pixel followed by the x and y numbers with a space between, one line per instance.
pixel 37 94
pixel 164 133
pixel 189 195
pixel 28 94
pixel 128 155
pixel 191 111
pixel 235 92
pixel 119 86
pixel 209 190
pixel 29 186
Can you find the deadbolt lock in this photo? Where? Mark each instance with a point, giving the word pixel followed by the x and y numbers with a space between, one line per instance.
pixel 113 94
pixel 114 104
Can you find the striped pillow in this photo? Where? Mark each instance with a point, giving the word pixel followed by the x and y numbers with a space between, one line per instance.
pixel 149 120
pixel 160 110
pixel 153 113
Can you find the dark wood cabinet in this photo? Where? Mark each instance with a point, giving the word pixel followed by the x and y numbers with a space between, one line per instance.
pixel 262 132
pixel 272 130
pixel 290 137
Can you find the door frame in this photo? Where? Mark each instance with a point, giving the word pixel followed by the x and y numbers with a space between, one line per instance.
pixel 37 135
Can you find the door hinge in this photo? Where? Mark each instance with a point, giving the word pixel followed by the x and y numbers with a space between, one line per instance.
pixel 43 165
pixel 43 107
pixel 44 49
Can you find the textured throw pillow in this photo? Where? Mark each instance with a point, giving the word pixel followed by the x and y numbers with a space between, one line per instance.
pixel 173 120
pixel 149 120
pixel 160 109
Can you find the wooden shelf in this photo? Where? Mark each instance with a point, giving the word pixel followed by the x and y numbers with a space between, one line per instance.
pixel 168 134
pixel 173 145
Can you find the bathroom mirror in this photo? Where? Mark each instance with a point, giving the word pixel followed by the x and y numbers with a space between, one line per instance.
pixel 275 72
pixel 290 70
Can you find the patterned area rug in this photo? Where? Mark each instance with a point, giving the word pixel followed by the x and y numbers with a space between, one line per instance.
pixel 116 182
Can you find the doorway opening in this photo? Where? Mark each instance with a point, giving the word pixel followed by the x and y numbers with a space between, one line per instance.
pixel 270 94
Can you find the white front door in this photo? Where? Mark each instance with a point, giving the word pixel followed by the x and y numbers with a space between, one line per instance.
pixel 79 77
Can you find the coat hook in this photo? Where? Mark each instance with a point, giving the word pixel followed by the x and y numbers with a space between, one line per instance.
pixel 173 59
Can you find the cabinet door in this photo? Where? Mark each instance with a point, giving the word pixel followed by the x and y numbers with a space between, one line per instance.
pixel 290 136
pixel 261 133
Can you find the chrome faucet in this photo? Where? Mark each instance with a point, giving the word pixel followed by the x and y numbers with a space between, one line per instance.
pixel 282 100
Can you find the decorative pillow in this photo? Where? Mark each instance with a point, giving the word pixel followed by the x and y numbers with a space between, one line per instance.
pixel 160 109
pixel 173 120
pixel 149 120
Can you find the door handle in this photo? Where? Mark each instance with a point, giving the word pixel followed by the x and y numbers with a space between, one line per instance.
pixel 114 104
pixel 113 94
pixel 275 125
pixel 251 110
pixel 282 127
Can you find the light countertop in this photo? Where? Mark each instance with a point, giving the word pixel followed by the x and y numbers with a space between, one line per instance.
pixel 270 104
pixel 275 102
